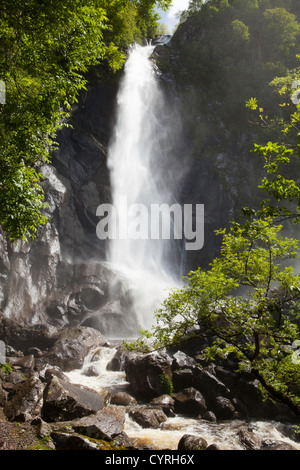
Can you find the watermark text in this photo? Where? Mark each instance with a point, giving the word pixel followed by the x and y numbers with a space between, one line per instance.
pixel 159 221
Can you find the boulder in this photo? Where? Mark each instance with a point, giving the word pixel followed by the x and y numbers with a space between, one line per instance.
pixel 120 360
pixel 249 440
pixel 182 361
pixel 213 447
pixel 146 374
pixel 190 402
pixel 71 346
pixel 91 371
pixel 21 336
pixel 122 399
pixel 105 424
pixel 66 441
pixel 148 417
pixel 48 371
pixel 272 444
pixel 223 408
pixel 66 401
pixel 208 384
pixel 3 395
pixel 182 378
pixel 166 403
pixel 15 377
pixel 42 428
pixel 27 400
pixel 209 416
pixel 190 442
pixel 74 441
pixel 26 362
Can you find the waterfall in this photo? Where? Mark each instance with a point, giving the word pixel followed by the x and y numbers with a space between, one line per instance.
pixel 135 161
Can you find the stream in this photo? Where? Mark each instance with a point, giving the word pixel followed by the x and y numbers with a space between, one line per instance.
pixel 224 434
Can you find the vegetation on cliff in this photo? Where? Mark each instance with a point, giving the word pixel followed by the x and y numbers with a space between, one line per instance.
pixel 233 49
pixel 46 50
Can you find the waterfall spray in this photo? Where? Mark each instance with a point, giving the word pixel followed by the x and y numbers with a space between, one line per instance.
pixel 135 155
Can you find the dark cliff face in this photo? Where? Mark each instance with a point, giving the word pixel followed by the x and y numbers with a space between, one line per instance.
pixel 81 161
pixel 214 156
pixel 63 278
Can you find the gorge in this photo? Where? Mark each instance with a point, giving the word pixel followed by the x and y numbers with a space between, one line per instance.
pixel 70 297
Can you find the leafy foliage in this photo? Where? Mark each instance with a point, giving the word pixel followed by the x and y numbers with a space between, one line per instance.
pixel 247 304
pixel 243 44
pixel 46 50
pixel 281 157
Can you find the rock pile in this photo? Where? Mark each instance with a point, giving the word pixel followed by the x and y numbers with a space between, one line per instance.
pixel 35 389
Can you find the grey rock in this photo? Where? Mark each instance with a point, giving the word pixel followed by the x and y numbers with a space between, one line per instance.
pixel 71 346
pixel 43 428
pixel 26 362
pixel 3 395
pixel 209 416
pixel 148 417
pixel 120 359
pixel 191 442
pixel 65 401
pixel 105 424
pixel 223 408
pixel 190 402
pixel 122 399
pixel 182 361
pixel 272 444
pixel 66 441
pixel 27 400
pixel 213 447
pixel 249 440
pixel 208 383
pixel 166 403
pixel 182 378
pixel 145 374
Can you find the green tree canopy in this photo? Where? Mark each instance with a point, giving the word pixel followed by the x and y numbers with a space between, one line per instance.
pixel 46 50
pixel 281 30
pixel 245 304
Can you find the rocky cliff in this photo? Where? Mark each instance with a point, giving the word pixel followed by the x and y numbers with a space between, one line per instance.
pixel 63 278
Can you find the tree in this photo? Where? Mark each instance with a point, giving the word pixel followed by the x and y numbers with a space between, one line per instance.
pixel 46 50
pixel 281 30
pixel 246 304
pixel 195 6
pixel 241 32
pixel 281 154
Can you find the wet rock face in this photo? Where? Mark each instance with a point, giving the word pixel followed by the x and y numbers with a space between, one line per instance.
pixel 65 401
pixel 148 417
pixel 210 392
pixel 71 346
pixel 27 400
pixel 39 287
pixel 62 279
pixel 146 373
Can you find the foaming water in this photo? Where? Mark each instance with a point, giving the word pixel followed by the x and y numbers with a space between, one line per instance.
pixel 135 162
pixel 94 373
pixel 226 434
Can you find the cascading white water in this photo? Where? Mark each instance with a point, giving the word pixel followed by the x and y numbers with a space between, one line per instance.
pixel 224 434
pixel 134 159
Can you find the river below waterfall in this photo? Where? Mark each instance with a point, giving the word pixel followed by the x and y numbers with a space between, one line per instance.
pixel 224 434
